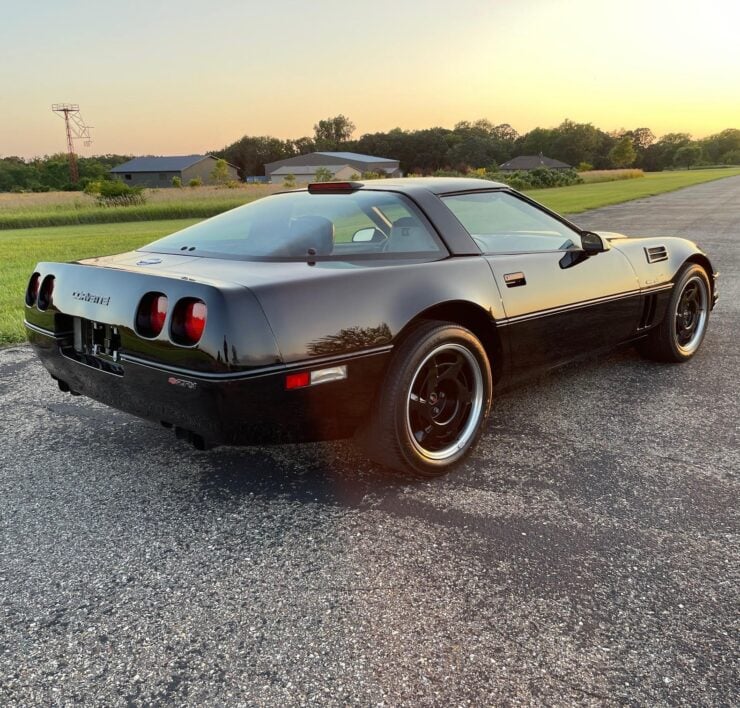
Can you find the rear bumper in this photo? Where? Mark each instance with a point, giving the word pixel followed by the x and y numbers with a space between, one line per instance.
pixel 230 409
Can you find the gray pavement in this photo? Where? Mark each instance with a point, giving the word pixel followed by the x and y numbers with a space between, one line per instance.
pixel 586 554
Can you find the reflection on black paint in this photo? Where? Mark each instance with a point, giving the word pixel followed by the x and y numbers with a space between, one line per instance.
pixel 351 339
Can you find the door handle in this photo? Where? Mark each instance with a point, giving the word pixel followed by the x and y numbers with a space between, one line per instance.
pixel 514 280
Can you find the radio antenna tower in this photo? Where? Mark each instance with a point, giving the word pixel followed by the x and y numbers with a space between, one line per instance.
pixel 76 130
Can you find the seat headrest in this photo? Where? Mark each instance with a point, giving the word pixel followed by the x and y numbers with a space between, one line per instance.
pixel 315 232
pixel 408 235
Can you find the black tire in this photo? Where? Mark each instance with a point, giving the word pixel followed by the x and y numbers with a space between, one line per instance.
pixel 430 411
pixel 678 337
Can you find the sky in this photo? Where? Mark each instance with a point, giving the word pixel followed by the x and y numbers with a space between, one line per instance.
pixel 184 76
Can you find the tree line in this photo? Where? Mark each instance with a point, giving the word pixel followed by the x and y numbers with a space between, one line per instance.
pixel 472 145
pixel 466 146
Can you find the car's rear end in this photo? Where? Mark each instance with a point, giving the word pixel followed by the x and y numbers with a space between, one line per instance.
pixel 193 353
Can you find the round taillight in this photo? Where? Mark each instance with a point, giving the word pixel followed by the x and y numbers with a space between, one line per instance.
pixel 45 292
pixel 188 321
pixel 32 291
pixel 151 314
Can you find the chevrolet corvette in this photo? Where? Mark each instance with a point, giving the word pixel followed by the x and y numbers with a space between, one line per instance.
pixel 390 310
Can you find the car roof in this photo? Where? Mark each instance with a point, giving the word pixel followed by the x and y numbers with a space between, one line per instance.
pixel 436 185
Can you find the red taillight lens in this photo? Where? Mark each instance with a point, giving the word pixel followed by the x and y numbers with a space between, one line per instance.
pixel 151 314
pixel 32 291
pixel 189 321
pixel 45 293
pixel 298 380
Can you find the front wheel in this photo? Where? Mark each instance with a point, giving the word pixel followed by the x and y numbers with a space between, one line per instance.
pixel 678 337
pixel 434 401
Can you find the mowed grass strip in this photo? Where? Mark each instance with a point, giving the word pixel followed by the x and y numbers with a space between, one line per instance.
pixel 581 197
pixel 21 249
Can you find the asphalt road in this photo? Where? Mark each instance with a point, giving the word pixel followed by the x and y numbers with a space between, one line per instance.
pixel 586 554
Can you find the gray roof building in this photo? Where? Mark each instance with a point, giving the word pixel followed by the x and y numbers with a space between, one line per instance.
pixel 531 162
pixel 306 165
pixel 158 171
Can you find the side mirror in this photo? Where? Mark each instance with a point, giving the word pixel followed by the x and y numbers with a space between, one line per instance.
pixel 592 243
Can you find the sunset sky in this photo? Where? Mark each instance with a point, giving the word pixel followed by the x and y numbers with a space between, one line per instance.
pixel 182 76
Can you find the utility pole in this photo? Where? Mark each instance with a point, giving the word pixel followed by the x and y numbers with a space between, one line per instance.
pixel 76 130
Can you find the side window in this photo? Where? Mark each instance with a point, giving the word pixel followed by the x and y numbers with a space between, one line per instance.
pixel 502 223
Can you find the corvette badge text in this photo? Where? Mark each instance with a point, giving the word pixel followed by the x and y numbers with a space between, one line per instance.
pixel 181 382
pixel 89 297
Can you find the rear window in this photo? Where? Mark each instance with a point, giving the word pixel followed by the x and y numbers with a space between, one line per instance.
pixel 297 225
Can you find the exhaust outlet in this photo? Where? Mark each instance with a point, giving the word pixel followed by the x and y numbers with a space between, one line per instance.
pixel 197 441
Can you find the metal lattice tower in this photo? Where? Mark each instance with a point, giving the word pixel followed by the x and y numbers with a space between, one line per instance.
pixel 76 130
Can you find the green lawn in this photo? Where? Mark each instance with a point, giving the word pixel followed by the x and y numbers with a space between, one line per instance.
pixel 580 197
pixel 21 249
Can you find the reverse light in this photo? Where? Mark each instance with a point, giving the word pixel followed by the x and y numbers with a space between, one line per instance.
pixel 32 291
pixel 302 379
pixel 45 292
pixel 151 314
pixel 188 321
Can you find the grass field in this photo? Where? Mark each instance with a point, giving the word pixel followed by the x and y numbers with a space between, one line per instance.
pixel 581 197
pixel 609 175
pixel 21 249
pixel 19 211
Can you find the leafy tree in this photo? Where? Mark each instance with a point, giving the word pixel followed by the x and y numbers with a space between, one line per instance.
pixel 323 174
pixel 289 181
pixel 731 158
pixel 220 172
pixel 331 133
pixel 250 153
pixel 716 146
pixel 303 146
pixel 195 182
pixel 661 154
pixel 177 181
pixel 687 155
pixel 623 153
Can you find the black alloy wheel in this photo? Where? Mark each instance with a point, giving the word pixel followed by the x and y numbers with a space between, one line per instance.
pixel 431 409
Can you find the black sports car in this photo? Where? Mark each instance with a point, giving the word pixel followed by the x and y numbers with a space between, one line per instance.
pixel 388 309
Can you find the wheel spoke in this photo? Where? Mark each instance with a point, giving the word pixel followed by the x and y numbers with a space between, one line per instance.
pixel 419 406
pixel 432 380
pixel 453 370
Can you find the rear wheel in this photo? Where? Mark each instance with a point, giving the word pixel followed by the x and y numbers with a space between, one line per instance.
pixel 678 337
pixel 434 401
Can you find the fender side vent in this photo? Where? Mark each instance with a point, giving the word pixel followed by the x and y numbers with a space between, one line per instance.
pixel 655 254
pixel 648 311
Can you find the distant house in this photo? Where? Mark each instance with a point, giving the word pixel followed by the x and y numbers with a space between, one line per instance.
pixel 342 165
pixel 531 162
pixel 153 171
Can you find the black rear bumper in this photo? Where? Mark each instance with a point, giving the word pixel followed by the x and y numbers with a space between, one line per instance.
pixel 229 409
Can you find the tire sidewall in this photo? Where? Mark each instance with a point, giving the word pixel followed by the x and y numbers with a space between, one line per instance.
pixel 689 272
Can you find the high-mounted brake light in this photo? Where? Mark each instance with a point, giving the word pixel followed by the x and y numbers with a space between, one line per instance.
pixel 188 321
pixel 151 314
pixel 45 293
pixel 32 291
pixel 333 187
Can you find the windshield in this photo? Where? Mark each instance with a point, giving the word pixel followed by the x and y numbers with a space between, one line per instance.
pixel 297 225
pixel 500 222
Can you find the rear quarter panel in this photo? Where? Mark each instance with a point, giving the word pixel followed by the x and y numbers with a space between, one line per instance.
pixel 360 308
